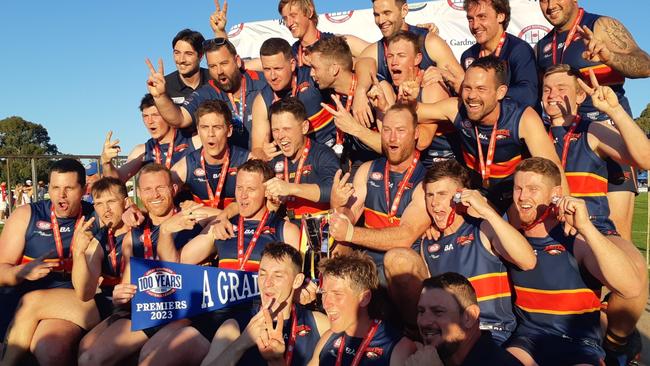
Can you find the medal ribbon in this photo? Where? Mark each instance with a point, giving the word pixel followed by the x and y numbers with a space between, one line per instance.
pixel 300 49
pixel 170 152
pixel 292 337
pixel 216 196
pixel 294 88
pixel 392 209
pixel 487 163
pixel 569 37
pixel 148 245
pixel 348 106
pixel 497 51
pixel 243 258
pixel 112 253
pixel 241 111
pixel 301 162
pixel 362 348
pixel 56 232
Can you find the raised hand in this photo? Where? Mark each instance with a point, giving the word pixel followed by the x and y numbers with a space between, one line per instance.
pixel 219 18
pixel 123 293
pixel 132 217
pixel 271 150
pixel 82 237
pixel 341 190
pixel 596 50
pixel 473 199
pixel 377 97
pixel 271 341
pixel 361 108
pixel 342 118
pixel 426 355
pixel 37 269
pixel 111 149
pixel 432 27
pixel 222 229
pixel 276 187
pixel 573 211
pixel 306 294
pixel 341 228
pixel 409 90
pixel 603 97
pixel 184 220
pixel 156 80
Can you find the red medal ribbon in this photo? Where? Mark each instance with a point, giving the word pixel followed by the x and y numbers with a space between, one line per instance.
pixel 148 245
pixel 497 51
pixel 540 219
pixel 243 258
pixel 294 88
pixel 569 37
pixel 301 162
pixel 112 253
pixel 292 337
pixel 348 106
pixel 487 163
pixel 170 152
pixel 567 139
pixel 450 219
pixel 56 232
pixel 225 165
pixel 392 209
pixel 241 111
pixel 300 49
pixel 362 348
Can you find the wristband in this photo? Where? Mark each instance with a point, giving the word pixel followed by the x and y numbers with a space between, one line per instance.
pixel 349 232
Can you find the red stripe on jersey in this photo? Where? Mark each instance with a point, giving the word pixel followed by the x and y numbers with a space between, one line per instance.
pixel 557 302
pixel 378 220
pixel 491 285
pixel 250 265
pixel 320 119
pixel 497 170
pixel 605 75
pixel 586 184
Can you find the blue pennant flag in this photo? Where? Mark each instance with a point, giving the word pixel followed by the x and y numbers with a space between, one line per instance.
pixel 171 291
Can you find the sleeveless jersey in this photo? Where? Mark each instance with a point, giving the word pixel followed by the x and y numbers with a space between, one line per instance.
pixel 354 151
pixel 585 171
pixel 523 84
pixel 319 168
pixel 321 122
pixel 508 149
pixel 306 338
pixel 382 62
pixel 39 240
pixel 112 275
pixel 375 211
pixel 557 297
pixel 295 47
pixel 138 238
pixel 463 252
pixel 242 125
pixel 377 353
pixel 573 56
pixel 196 176
pixel 444 146
pixel 182 146
pixel 227 249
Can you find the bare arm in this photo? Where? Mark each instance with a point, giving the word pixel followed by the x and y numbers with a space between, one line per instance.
pixel 291 234
pixel 444 110
pixel 403 349
pixel 315 358
pixel 261 128
pixel 86 269
pixel 624 54
pixel 356 44
pixel 228 345
pixel 12 245
pixel 441 53
pixel 179 172
pixel 128 169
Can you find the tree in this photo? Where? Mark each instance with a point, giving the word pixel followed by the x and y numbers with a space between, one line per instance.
pixel 20 137
pixel 644 120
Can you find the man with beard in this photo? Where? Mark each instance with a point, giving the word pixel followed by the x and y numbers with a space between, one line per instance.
pixel 488 21
pixel 230 83
pixel 99 346
pixel 189 76
pixel 254 227
pixel 557 304
pixel 243 340
pixel 437 58
pixel 587 41
pixel 166 146
pixel 495 132
pixel 585 147
pixel 354 336
pixel 304 170
pixel 35 254
pixel 286 80
pixel 448 319
pixel 210 171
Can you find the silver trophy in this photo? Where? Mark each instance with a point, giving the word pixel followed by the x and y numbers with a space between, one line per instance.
pixel 316 230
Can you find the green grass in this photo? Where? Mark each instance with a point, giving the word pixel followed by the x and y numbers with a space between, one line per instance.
pixel 640 221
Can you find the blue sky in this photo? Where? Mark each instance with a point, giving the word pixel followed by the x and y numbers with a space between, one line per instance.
pixel 77 66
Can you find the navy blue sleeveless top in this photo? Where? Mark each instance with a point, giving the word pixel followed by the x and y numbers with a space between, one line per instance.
pixel 382 63
pixel 182 146
pixel 377 353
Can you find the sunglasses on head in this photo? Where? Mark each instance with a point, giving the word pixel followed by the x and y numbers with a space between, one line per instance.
pixel 214 42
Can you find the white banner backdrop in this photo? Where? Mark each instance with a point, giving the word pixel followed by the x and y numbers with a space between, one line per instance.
pixel 526 21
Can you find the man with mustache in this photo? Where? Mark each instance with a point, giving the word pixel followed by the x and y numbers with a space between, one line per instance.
pixel 488 21
pixel 448 319
pixel 495 132
pixel 230 83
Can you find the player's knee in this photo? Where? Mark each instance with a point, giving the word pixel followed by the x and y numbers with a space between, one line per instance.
pixel 55 350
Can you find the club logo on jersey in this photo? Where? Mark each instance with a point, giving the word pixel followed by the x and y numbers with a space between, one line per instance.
pixel 548 48
pixel 554 249
pixel 465 239
pixel 303 330
pixel 502 134
pixel 232 171
pixel 533 33
pixel 575 136
pixel 433 248
pixel 466 124
pixel 373 353
pixel 181 147
pixel 303 86
pixel 376 176
pixel 160 282
pixel 199 172
pixel 279 167
pixel 337 343
pixel 43 225
pixel 456 4
pixel 235 30
pixel 468 62
pixel 339 17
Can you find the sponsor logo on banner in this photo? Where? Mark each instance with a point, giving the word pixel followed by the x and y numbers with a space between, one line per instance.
pixel 172 291
pixel 462 42
pixel 456 4
pixel 43 225
pixel 234 31
pixel 533 33
pixel 339 17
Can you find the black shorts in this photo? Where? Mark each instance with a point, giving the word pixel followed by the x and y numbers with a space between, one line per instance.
pixel 621 178
pixel 104 304
pixel 208 323
pixel 554 350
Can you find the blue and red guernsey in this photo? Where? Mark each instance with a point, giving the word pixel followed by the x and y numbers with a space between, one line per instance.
pixel 585 171
pixel 303 87
pixel 273 230
pixel 299 51
pixel 548 55
pixel 463 252
pixel 196 176
pixel 377 352
pixel 557 297
pixel 144 239
pixel 159 153
pixel 382 47
pixel 507 153
pixel 113 261
pixel 376 210
pixel 318 168
pixel 444 146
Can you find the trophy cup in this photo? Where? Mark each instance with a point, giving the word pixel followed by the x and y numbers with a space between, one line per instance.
pixel 316 232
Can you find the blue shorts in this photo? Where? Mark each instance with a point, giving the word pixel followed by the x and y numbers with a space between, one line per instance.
pixel 554 350
pixel 604 225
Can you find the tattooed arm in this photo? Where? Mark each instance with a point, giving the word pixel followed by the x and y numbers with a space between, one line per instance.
pixel 612 44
